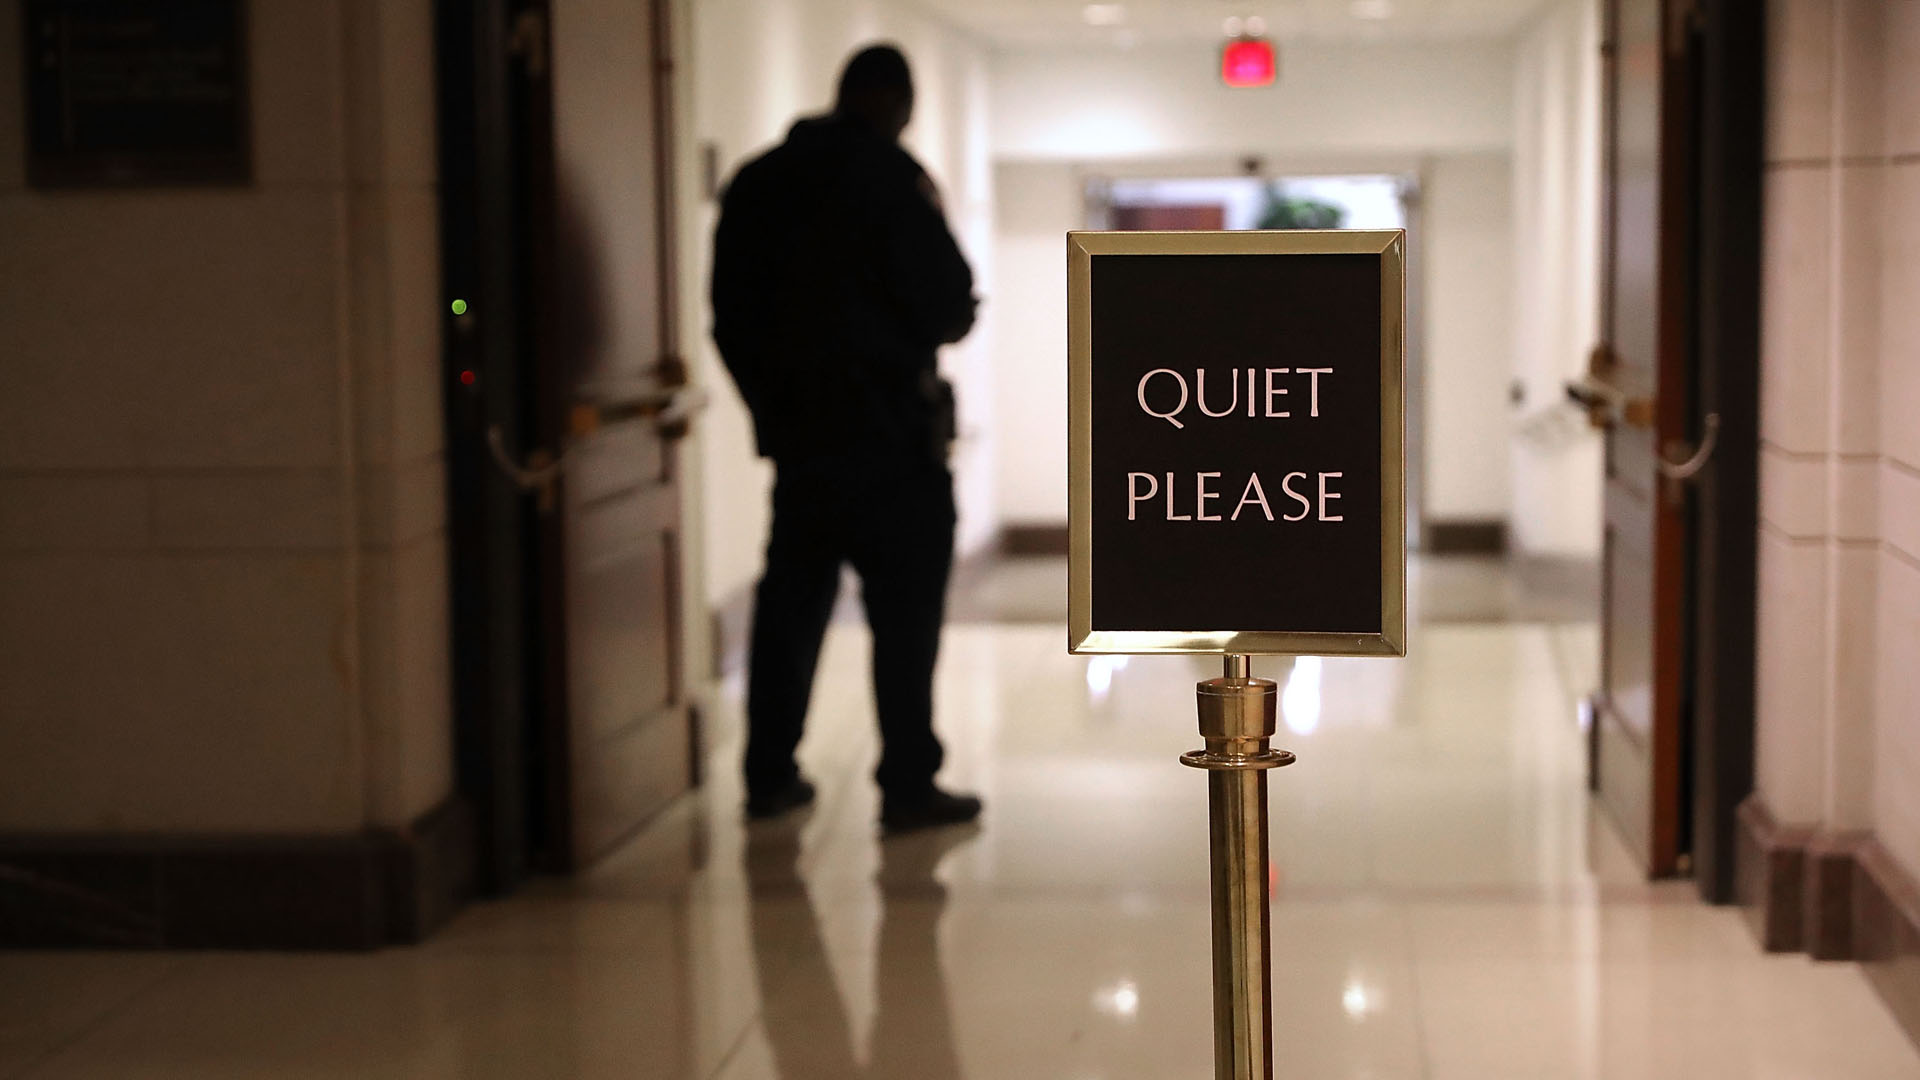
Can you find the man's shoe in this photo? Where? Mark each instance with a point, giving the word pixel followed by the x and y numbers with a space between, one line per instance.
pixel 929 809
pixel 772 804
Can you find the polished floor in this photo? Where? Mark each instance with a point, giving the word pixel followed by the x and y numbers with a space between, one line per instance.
pixel 1445 908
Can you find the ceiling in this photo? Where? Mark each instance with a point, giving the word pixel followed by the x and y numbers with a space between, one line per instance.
pixel 1131 22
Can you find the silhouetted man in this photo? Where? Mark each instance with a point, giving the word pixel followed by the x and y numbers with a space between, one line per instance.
pixel 835 280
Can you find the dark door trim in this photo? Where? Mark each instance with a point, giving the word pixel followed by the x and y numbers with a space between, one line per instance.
pixel 1727 208
pixel 482 379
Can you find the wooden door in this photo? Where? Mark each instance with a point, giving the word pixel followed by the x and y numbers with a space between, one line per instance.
pixel 1638 387
pixel 615 734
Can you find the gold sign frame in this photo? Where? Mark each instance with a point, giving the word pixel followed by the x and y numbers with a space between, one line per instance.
pixel 1390 245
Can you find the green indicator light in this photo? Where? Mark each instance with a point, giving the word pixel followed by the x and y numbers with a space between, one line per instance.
pixel 459 307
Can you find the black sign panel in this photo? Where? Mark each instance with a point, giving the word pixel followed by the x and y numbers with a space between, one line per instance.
pixel 136 92
pixel 1237 472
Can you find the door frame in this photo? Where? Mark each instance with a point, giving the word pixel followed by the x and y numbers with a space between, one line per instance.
pixel 1723 571
pixel 484 388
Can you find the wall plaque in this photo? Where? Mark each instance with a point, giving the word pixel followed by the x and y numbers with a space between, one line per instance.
pixel 1236 442
pixel 136 92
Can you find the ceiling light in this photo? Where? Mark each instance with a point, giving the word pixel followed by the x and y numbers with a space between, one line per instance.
pixel 1372 9
pixel 1256 26
pixel 1233 26
pixel 1104 14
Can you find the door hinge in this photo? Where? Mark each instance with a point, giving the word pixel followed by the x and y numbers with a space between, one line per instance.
pixel 1684 18
pixel 528 42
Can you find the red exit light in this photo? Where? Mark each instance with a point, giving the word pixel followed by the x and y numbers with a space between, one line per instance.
pixel 1248 61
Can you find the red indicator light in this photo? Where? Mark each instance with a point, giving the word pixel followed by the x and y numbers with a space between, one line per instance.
pixel 1248 61
pixel 467 378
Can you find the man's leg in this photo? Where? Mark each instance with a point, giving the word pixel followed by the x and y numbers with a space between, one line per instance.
pixel 790 613
pixel 904 556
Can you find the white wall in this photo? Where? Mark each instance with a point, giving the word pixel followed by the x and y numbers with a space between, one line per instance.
pixel 1438 111
pixel 1167 101
pixel 1466 213
pixel 223 593
pixel 1556 195
pixel 757 65
pixel 1838 748
pixel 1038 202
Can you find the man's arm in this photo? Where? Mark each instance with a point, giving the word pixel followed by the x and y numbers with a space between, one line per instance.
pixel 740 290
pixel 925 271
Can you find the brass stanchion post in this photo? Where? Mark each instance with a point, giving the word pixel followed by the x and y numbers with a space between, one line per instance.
pixel 1237 714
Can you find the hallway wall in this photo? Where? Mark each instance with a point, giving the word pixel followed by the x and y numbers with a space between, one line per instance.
pixel 758 65
pixel 1839 592
pixel 1466 212
pixel 1463 256
pixel 1166 100
pixel 222 559
pixel 1038 202
pixel 1556 459
pixel 1063 116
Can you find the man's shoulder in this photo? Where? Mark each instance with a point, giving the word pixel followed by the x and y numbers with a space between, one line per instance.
pixel 773 167
pixel 898 163
pixel 753 175
pixel 818 149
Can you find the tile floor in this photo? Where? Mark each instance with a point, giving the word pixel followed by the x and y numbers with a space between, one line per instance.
pixel 1445 908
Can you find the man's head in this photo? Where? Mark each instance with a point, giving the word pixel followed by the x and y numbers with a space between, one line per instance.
pixel 876 90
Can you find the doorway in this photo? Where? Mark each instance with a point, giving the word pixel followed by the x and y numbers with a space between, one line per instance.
pixel 565 403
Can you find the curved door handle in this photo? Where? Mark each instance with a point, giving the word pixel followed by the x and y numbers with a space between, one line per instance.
pixel 1691 466
pixel 537 476
pixel 540 468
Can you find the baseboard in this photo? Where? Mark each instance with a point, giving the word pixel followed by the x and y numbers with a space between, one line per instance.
pixel 1464 537
pixel 1886 932
pixel 343 892
pixel 1828 908
pixel 1770 882
pixel 1034 539
pixel 1834 896
pixel 432 871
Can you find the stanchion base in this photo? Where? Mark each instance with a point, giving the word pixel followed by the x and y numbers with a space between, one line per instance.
pixel 1263 759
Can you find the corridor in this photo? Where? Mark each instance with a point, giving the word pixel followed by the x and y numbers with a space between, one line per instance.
pixel 1445 906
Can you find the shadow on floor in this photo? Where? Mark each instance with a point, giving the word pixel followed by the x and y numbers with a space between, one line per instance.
pixel 804 1015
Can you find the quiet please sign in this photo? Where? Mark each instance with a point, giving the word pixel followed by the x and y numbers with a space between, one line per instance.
pixel 1236 442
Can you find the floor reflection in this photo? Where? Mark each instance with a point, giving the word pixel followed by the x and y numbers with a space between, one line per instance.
pixel 1448 907
pixel 806 1019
